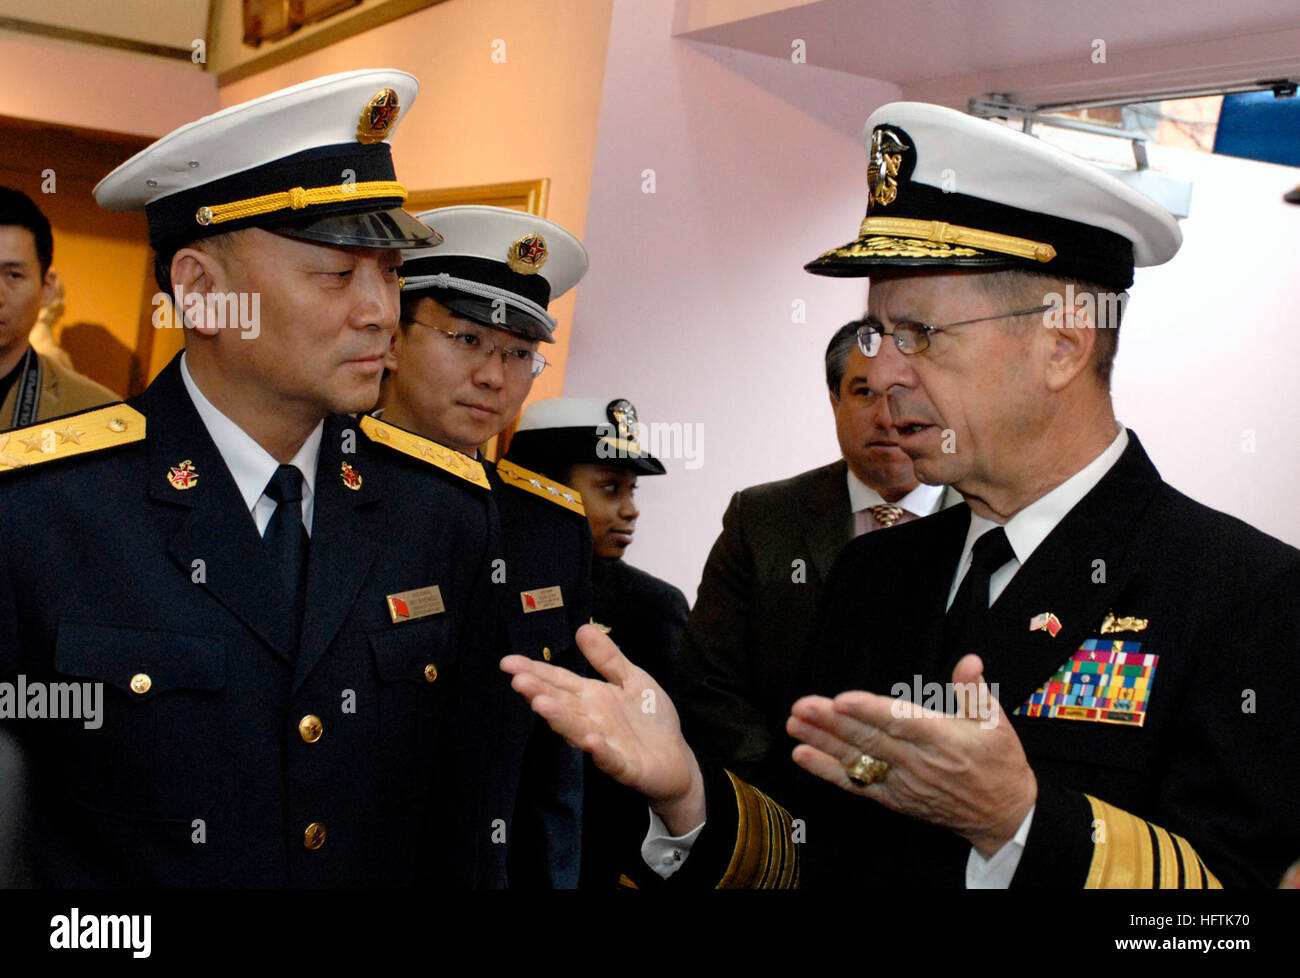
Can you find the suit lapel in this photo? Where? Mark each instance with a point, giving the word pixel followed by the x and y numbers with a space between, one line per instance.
pixel 829 520
pixel 1075 573
pixel 217 545
pixel 344 541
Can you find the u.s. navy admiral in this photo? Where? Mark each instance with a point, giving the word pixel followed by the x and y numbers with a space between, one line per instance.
pixel 1142 735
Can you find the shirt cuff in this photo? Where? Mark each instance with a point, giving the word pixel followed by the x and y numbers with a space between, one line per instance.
pixel 665 853
pixel 995 872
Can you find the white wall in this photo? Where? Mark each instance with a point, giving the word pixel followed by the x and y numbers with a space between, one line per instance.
pixel 687 307
pixel 758 168
pixel 1209 357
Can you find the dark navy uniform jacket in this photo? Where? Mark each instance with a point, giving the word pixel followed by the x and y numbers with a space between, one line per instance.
pixel 1203 789
pixel 204 775
pixel 645 617
pixel 532 778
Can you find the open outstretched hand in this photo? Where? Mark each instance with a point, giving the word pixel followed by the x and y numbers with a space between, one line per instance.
pixel 626 722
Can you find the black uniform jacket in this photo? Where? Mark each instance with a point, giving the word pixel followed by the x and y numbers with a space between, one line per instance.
pixel 206 770
pixel 530 776
pixel 748 638
pixel 645 617
pixel 1203 790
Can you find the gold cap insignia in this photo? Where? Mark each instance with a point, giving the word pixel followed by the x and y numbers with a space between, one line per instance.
pixel 528 254
pixel 351 477
pixel 183 476
pixel 882 168
pixel 378 117
pixel 623 414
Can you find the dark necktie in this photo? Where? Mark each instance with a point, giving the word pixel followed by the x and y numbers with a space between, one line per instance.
pixel 963 625
pixel 286 539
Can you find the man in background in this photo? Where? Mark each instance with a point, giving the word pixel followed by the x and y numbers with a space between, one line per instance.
pixel 32 387
pixel 747 638
pixel 460 365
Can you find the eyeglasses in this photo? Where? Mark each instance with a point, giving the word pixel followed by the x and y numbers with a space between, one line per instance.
pixel 518 360
pixel 913 338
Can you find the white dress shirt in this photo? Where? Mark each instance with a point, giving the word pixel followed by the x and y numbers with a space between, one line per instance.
pixel 921 501
pixel 250 464
pixel 1025 530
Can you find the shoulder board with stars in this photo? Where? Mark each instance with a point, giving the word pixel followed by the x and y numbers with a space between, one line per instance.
pixel 558 493
pixel 409 443
pixel 76 434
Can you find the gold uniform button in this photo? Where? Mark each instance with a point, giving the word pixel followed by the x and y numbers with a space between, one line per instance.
pixel 546 654
pixel 310 728
pixel 314 836
pixel 140 683
pixel 431 672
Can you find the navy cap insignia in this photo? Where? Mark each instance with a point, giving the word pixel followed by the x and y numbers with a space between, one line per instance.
pixel 528 254
pixel 623 414
pixel 378 117
pixel 883 166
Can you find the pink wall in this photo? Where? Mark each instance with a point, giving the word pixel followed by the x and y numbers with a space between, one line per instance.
pixel 100 88
pixel 482 121
pixel 687 307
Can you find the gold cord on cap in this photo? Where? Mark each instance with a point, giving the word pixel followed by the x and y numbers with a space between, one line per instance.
pixel 296 199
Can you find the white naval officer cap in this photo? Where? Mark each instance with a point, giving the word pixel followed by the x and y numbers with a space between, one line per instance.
pixel 498 267
pixel 945 189
pixel 557 432
pixel 311 161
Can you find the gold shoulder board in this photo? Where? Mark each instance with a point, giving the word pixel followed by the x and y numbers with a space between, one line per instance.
pixel 409 443
pixel 77 434
pixel 557 492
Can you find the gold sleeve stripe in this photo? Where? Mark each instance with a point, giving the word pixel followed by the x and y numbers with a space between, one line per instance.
pixel 296 198
pixel 627 882
pixel 1191 864
pixel 765 857
pixel 77 434
pixel 1127 851
pixel 1169 875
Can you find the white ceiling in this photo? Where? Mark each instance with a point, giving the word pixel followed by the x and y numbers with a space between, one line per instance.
pixel 949 50
pixel 168 23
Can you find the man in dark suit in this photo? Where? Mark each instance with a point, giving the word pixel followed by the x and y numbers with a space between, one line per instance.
pixel 279 610
pixel 1116 715
pixel 460 365
pixel 747 639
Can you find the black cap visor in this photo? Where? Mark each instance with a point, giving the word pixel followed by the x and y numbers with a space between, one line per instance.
pixel 392 228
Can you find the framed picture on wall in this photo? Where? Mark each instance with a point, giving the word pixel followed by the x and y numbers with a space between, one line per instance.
pixel 267 20
pixel 309 11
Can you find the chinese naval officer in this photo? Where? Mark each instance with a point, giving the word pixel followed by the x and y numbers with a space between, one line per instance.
pixel 1135 730
pixel 279 605
pixel 462 362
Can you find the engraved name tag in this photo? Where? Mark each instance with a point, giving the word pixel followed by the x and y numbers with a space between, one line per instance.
pixel 543 599
pixel 420 603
